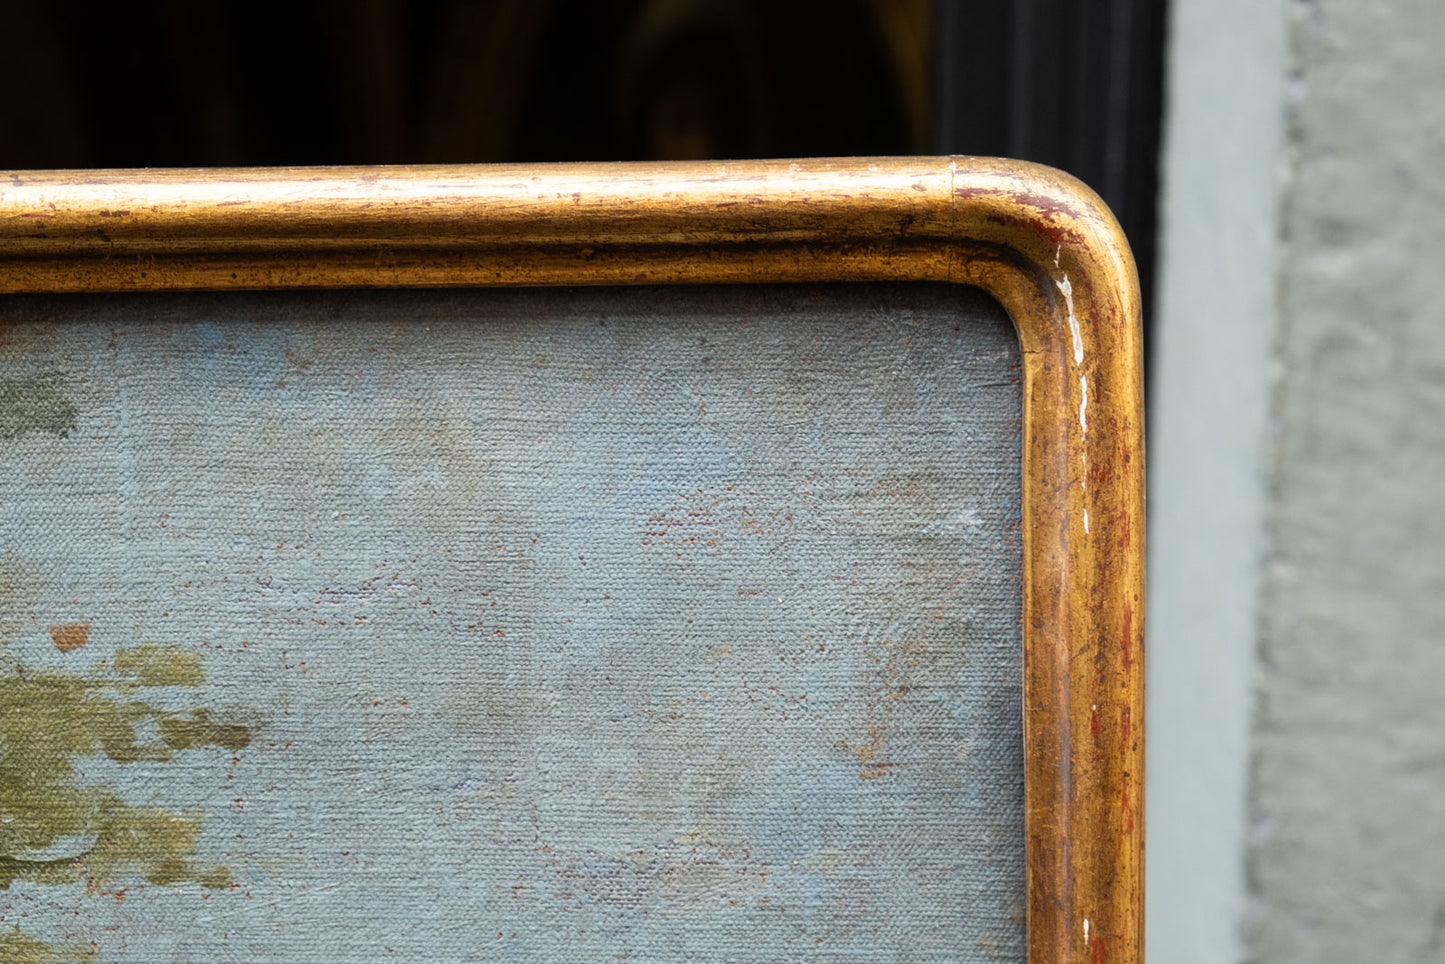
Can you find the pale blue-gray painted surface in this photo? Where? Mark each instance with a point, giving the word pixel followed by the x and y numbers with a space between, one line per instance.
pixel 650 625
pixel 1209 410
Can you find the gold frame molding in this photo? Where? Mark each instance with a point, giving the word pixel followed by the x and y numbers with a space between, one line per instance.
pixel 1037 240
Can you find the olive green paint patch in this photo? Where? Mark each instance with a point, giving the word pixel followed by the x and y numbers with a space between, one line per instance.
pixel 34 405
pixel 154 665
pixel 16 948
pixel 56 830
pixel 183 734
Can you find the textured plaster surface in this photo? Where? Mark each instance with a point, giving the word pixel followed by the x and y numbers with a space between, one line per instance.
pixel 1347 854
pixel 537 626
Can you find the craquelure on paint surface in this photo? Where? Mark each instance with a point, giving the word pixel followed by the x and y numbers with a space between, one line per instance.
pixel 560 625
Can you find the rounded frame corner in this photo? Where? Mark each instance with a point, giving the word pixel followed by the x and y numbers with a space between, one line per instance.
pixel 1036 239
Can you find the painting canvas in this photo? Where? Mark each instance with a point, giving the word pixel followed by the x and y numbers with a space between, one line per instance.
pixel 645 624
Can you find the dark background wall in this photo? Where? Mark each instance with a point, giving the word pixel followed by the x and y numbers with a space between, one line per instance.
pixel 172 83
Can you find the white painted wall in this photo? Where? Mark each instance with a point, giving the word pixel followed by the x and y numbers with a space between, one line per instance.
pixel 1297 607
pixel 1209 399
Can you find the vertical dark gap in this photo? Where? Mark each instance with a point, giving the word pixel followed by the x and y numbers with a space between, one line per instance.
pixel 947 77
pixel 1022 54
pixel 1120 67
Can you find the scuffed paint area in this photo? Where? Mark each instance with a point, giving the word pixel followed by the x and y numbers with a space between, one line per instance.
pixel 34 404
pixel 47 720
pixel 58 829
pixel 649 625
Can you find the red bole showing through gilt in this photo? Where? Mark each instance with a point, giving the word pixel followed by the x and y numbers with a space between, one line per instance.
pixel 1035 239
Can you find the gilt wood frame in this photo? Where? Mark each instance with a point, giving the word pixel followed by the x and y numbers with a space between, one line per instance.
pixel 1038 241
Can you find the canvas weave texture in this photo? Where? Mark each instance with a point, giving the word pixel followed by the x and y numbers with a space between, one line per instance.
pixel 568 626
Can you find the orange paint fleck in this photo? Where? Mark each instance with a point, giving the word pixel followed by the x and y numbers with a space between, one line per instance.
pixel 1097 953
pixel 68 636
